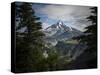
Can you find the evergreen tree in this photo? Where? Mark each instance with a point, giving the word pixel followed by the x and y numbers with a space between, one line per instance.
pixel 89 56
pixel 92 30
pixel 29 43
pixel 91 38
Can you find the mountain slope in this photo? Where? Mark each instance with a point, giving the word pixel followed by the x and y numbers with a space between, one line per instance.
pixel 60 31
pixel 60 37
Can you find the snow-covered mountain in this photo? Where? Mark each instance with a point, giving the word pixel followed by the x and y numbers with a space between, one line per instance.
pixel 59 32
pixel 60 36
pixel 57 29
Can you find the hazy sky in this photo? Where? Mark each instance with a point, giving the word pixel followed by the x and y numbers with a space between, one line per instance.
pixel 71 15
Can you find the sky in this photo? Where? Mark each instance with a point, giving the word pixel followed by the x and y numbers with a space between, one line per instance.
pixel 72 15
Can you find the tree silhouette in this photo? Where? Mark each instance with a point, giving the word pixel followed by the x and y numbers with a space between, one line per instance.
pixel 29 43
pixel 91 38
pixel 88 59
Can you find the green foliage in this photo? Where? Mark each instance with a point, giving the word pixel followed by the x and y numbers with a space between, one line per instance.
pixel 52 60
pixel 29 43
pixel 91 39
pixel 55 61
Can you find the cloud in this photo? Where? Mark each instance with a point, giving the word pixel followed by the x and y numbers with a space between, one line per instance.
pixel 45 25
pixel 72 15
pixel 56 12
pixel 65 13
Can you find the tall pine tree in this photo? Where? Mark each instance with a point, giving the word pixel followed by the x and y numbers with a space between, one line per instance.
pixel 29 43
pixel 91 38
pixel 88 59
